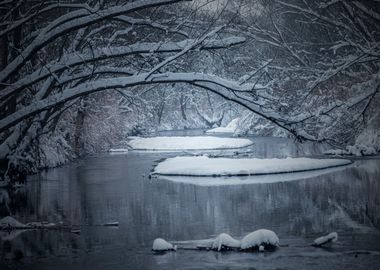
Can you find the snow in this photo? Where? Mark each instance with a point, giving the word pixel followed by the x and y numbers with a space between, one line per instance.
pixel 9 221
pixel 259 238
pixel 230 128
pixel 160 244
pixel 248 180
pixel 187 143
pixel 225 240
pixel 118 150
pixel 205 166
pixel 331 237
pixel 367 143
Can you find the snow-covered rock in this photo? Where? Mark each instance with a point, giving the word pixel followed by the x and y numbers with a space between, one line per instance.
pixel 225 241
pixel 230 128
pixel 187 143
pixel 160 244
pixel 330 238
pixel 10 222
pixel 263 237
pixel 205 166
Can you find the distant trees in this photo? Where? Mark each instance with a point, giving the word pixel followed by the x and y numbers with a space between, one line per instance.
pixel 318 62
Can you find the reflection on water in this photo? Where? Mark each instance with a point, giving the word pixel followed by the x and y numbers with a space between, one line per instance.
pixel 116 187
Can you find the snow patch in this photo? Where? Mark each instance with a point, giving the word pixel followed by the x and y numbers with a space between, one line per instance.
pixel 118 150
pixel 230 128
pixel 330 238
pixel 10 222
pixel 205 166
pixel 225 241
pixel 187 143
pixel 262 237
pixel 160 244
pixel 249 179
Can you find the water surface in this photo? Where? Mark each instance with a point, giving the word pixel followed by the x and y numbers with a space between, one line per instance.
pixel 105 188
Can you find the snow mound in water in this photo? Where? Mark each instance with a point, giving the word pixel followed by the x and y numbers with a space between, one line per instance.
pixel 331 237
pixel 160 244
pixel 187 143
pixel 230 128
pixel 262 237
pixel 205 166
pixel 225 241
pixel 10 222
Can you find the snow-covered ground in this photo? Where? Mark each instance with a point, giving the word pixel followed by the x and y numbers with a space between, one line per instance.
pixel 205 166
pixel 187 143
pixel 230 128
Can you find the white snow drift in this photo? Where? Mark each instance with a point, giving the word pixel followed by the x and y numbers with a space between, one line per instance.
pixel 204 166
pixel 249 179
pixel 259 238
pixel 254 241
pixel 225 240
pixel 187 143
pixel 330 238
pixel 230 128
pixel 118 150
pixel 160 244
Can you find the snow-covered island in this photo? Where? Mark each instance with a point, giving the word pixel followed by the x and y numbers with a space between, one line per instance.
pixel 205 166
pixel 187 143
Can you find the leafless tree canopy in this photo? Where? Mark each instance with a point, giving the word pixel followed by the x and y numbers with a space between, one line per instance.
pixel 309 67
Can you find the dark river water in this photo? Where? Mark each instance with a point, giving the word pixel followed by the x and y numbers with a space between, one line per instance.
pixel 96 190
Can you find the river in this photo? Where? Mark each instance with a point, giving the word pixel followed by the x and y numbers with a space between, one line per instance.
pixel 104 188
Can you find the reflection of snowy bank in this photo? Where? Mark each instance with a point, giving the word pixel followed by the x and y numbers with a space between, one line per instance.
pixel 205 166
pixel 187 143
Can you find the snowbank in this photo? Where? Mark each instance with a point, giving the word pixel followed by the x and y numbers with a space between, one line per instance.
pixel 330 238
pixel 10 222
pixel 187 143
pixel 230 128
pixel 260 239
pixel 122 150
pixel 160 244
pixel 224 241
pixel 249 179
pixel 204 166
